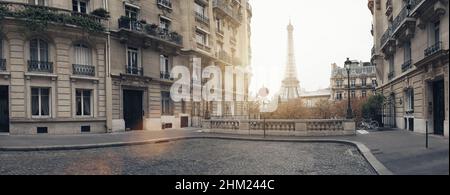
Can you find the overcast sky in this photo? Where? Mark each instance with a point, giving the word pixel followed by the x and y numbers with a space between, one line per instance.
pixel 326 31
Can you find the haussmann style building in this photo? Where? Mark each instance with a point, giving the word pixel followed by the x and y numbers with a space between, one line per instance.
pixel 363 81
pixel 98 66
pixel 411 55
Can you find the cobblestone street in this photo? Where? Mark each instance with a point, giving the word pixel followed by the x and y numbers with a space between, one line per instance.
pixel 197 156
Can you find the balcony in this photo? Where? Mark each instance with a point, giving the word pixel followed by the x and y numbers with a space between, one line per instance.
pixel 40 66
pixel 389 8
pixel 133 25
pixel 132 70
pixel 2 65
pixel 202 18
pixel 166 76
pixel 433 49
pixel 228 11
pixel 224 56
pixel 391 75
pixel 44 15
pixel 164 4
pixel 406 65
pixel 387 43
pixel 203 47
pixel 83 70
pixel 151 31
pixel 433 53
pixel 404 25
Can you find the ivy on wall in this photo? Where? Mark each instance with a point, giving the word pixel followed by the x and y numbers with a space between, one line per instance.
pixel 38 18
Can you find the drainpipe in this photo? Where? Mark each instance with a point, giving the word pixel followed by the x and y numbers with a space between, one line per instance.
pixel 108 81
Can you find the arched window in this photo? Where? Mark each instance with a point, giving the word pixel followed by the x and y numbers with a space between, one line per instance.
pixel 39 50
pixel 82 55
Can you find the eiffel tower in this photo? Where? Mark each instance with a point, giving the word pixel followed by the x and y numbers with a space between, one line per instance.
pixel 290 88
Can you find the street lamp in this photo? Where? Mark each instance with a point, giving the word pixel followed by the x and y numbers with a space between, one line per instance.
pixel 348 64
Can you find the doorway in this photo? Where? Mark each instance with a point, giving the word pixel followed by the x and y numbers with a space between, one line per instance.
pixel 4 109
pixel 184 121
pixel 133 109
pixel 438 107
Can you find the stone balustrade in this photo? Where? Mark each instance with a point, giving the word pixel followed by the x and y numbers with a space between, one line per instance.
pixel 282 127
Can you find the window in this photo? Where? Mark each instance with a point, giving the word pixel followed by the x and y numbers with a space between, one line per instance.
pixel 353 94
pixel 39 50
pixel 132 60
pixel 410 100
pixel 339 96
pixel 353 83
pixel 40 102
pixel 391 64
pixel 164 24
pixel 200 9
pixel 219 25
pixel 166 104
pixel 164 62
pixel 131 12
pixel 364 82
pixel 201 38
pixel 374 83
pixel 80 6
pixel 38 2
pixel 364 93
pixel 83 102
pixel 436 32
pixel 407 52
pixel 83 55
pixel 339 83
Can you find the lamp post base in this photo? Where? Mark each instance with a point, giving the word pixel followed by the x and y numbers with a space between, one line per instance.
pixel 349 114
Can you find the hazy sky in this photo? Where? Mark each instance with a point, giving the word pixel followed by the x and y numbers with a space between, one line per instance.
pixel 326 31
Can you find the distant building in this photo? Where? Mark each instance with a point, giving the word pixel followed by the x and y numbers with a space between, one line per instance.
pixel 310 99
pixel 363 81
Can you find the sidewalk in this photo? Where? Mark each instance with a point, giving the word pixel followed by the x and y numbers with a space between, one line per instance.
pixel 402 152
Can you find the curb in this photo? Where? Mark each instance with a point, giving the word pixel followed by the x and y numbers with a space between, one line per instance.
pixel 377 166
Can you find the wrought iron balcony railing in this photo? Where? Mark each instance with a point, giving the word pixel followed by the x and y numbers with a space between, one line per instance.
pixel 164 3
pixel 129 24
pixel 40 66
pixel 201 18
pixel 166 75
pixel 223 6
pixel 433 49
pixel 386 36
pixel 84 70
pixel 2 65
pixel 151 29
pixel 132 70
pixel 406 65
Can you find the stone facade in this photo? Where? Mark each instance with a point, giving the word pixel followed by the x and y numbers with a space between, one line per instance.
pixel 411 55
pixel 363 81
pixel 127 62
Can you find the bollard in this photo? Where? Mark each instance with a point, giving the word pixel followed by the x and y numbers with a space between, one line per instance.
pixel 426 136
